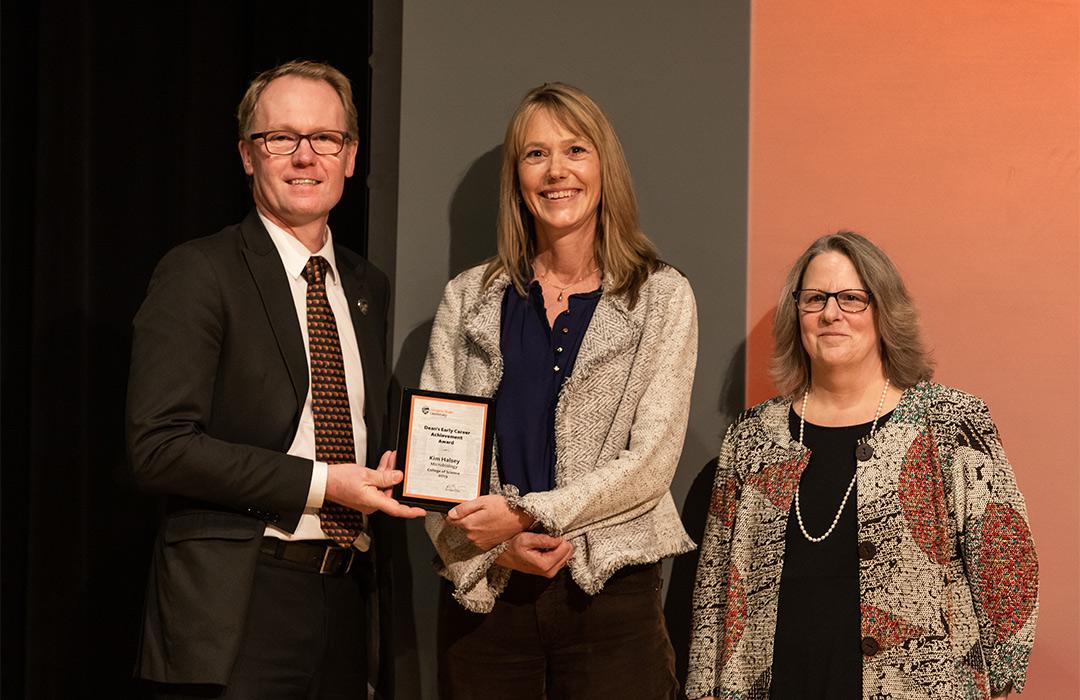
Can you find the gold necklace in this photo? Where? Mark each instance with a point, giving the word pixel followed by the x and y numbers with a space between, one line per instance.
pixel 562 290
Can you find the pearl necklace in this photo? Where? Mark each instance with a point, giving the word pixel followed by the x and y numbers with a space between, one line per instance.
pixel 562 290
pixel 860 453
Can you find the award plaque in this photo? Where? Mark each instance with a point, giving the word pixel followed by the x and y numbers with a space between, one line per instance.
pixel 444 448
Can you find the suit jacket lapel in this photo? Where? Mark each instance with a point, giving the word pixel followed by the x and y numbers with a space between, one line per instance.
pixel 273 285
pixel 368 328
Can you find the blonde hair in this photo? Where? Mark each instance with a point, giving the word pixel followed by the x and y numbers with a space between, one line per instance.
pixel 903 355
pixel 312 70
pixel 624 254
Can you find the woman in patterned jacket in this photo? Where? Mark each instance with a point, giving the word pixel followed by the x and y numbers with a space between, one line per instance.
pixel 865 537
pixel 588 344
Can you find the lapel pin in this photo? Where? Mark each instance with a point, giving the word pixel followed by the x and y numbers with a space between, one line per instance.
pixel 362 305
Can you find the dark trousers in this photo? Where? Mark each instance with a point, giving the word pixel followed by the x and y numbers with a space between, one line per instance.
pixel 305 638
pixel 549 639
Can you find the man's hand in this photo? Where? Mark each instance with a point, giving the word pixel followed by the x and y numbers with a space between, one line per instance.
pixel 488 521
pixel 534 553
pixel 368 490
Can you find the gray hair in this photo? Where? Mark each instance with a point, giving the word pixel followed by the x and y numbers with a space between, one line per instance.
pixel 903 354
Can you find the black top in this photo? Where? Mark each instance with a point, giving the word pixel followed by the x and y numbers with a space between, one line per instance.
pixel 537 359
pixel 817 653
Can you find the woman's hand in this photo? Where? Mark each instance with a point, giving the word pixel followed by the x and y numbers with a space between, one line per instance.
pixel 489 521
pixel 534 553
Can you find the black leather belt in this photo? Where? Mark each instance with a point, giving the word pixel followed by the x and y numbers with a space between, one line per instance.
pixel 318 556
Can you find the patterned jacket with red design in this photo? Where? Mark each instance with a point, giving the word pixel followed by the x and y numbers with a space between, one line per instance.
pixel 948 600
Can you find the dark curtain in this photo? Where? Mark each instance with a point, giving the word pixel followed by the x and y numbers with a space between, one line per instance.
pixel 118 142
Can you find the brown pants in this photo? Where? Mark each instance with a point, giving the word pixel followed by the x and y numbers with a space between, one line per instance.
pixel 548 639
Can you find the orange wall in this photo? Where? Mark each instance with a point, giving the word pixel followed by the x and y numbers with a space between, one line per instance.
pixel 948 133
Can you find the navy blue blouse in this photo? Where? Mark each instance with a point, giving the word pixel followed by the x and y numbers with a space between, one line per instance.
pixel 537 359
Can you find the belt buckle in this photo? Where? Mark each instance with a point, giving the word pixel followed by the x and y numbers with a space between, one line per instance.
pixel 324 566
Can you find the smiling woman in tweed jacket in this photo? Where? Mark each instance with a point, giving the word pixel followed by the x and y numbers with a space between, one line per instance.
pixel 926 587
pixel 588 343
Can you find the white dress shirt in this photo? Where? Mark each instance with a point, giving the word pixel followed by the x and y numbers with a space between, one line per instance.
pixel 294 256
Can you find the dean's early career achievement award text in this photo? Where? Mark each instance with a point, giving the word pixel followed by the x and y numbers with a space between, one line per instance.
pixel 444 448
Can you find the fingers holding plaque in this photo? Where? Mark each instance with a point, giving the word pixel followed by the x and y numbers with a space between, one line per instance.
pixel 444 448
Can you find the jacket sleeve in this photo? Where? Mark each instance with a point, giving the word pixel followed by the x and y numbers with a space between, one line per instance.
pixel 995 544
pixel 178 337
pixel 476 579
pixel 634 482
pixel 719 611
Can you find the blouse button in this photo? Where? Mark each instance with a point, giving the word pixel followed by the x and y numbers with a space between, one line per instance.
pixel 565 330
pixel 558 349
pixel 556 368
pixel 870 646
pixel 867 550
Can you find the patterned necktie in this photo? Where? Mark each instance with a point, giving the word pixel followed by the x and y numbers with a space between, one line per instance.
pixel 329 400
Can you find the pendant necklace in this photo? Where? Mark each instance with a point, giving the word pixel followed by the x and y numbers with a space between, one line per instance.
pixel 562 290
pixel 863 452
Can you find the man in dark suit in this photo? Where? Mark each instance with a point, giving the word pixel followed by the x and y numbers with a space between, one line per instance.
pixel 257 392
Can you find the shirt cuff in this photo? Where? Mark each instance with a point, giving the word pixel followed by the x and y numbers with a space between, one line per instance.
pixel 317 491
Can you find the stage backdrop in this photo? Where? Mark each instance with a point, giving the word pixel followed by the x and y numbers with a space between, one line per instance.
pixel 948 133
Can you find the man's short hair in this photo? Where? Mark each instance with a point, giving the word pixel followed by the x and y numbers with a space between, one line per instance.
pixel 313 70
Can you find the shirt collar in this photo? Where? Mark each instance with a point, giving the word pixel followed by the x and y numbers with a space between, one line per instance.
pixel 294 254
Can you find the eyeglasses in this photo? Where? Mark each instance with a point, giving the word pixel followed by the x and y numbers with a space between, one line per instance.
pixel 851 300
pixel 285 143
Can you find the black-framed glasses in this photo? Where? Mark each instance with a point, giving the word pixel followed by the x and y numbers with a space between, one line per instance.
pixel 851 300
pixel 285 143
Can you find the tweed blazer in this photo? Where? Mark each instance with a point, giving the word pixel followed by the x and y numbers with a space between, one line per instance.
pixel 620 422
pixel 948 579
